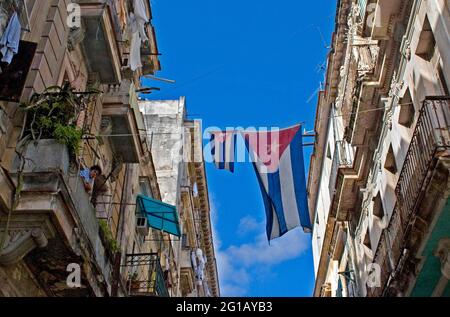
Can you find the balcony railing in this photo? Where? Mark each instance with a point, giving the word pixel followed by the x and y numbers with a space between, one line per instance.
pixel 145 276
pixel 342 158
pixel 431 137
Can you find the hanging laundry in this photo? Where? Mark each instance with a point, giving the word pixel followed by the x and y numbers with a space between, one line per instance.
pixel 135 44
pixel 9 42
pixel 141 16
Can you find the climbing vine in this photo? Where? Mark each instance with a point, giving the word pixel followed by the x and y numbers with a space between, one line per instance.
pixel 106 234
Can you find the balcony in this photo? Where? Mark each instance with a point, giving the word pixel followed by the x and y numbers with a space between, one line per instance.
pixel 54 224
pixel 417 190
pixel 149 53
pixel 145 276
pixel 342 158
pixel 100 39
pixel 122 122
pixel 187 274
pixel 385 10
pixel 431 137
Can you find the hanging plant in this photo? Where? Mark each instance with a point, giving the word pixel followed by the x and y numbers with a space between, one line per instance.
pixel 107 237
pixel 54 115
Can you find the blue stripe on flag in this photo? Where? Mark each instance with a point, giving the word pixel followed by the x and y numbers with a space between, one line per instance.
pixel 298 171
pixel 213 146
pixel 275 195
pixel 220 149
pixel 233 151
pixel 267 204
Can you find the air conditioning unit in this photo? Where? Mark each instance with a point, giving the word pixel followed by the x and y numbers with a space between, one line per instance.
pixel 142 226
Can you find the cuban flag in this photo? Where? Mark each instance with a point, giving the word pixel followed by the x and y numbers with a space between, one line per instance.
pixel 277 157
pixel 223 149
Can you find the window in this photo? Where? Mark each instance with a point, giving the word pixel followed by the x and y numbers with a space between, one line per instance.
pixel 390 164
pixel 426 48
pixel 407 110
pixel 144 187
pixel 328 151
pixel 184 241
pixel 340 289
pixel 378 210
pixel 367 240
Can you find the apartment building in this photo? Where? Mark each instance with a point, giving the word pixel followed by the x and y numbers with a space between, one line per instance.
pixel 177 148
pixel 69 102
pixel 378 180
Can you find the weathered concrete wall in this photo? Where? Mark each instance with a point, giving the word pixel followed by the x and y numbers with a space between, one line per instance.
pixel 164 121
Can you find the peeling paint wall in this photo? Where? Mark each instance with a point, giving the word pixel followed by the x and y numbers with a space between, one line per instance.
pixel 164 121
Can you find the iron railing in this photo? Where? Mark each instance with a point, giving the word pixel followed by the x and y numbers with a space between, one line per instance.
pixel 431 136
pixel 145 276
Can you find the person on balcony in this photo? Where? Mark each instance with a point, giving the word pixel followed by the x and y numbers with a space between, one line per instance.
pixel 89 175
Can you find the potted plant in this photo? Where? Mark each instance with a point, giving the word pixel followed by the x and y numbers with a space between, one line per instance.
pixel 54 114
pixel 134 283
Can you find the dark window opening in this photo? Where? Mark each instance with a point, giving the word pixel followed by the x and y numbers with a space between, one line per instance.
pixel 407 111
pixel 145 187
pixel 427 43
pixel 378 210
pixel 390 164
pixel 328 151
pixel 367 240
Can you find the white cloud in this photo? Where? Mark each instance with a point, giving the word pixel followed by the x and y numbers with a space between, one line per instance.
pixel 247 225
pixel 214 219
pixel 239 265
pixel 259 251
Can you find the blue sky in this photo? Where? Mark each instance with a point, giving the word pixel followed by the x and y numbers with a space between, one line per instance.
pixel 247 63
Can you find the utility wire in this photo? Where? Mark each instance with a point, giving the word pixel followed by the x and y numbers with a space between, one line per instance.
pixel 173 133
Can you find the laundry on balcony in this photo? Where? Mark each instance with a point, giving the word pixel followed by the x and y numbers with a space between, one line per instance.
pixel 137 22
pixel 135 49
pixel 140 14
pixel 160 216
